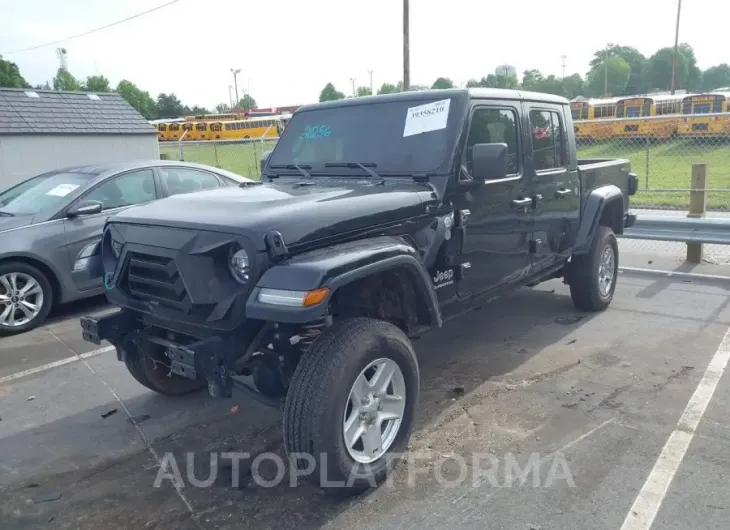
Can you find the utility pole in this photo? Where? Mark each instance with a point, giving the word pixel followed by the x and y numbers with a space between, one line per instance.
pixel 353 87
pixel 563 57
pixel 406 48
pixel 235 72
pixel 605 73
pixel 676 46
pixel 371 82
pixel 230 95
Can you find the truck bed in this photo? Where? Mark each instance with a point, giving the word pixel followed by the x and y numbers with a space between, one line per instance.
pixel 595 172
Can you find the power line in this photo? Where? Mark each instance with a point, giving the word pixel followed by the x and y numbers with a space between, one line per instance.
pixel 93 30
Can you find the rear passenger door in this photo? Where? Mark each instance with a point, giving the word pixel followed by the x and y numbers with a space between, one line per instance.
pixel 554 185
pixel 177 180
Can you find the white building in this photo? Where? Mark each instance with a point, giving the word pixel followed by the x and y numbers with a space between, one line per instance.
pixel 41 130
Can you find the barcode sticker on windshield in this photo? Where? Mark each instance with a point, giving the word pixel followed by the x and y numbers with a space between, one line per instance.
pixel 427 118
pixel 62 190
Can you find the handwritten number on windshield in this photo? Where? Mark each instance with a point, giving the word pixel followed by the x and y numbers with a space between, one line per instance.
pixel 312 132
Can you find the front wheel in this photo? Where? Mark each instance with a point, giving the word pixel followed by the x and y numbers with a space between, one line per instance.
pixel 26 298
pixel 593 275
pixel 350 407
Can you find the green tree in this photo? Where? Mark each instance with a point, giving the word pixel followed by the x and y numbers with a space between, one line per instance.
pixel 97 83
pixel 44 86
pixel 247 103
pixel 364 91
pixel 330 93
pixel 388 88
pixel 443 83
pixel 638 82
pixel 10 75
pixel 716 77
pixel 222 108
pixel 139 99
pixel 494 81
pixel 618 72
pixel 688 76
pixel 169 106
pixel 65 81
pixel 573 86
pixel 196 110
pixel 412 88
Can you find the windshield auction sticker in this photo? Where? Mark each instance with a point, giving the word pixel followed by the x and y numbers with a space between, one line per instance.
pixel 427 118
pixel 62 190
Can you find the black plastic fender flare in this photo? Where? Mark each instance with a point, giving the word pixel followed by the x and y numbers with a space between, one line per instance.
pixel 595 204
pixel 334 267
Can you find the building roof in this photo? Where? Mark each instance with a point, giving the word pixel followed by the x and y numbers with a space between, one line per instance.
pixel 29 111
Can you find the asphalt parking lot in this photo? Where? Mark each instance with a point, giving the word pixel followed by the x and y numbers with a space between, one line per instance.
pixel 608 409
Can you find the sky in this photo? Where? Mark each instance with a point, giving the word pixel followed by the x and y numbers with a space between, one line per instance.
pixel 288 50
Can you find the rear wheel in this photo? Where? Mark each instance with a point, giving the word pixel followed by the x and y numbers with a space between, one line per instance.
pixel 26 298
pixel 350 407
pixel 593 275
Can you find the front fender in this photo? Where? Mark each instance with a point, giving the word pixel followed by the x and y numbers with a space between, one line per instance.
pixel 595 204
pixel 333 267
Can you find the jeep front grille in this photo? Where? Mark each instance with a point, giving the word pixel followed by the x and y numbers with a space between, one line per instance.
pixel 156 278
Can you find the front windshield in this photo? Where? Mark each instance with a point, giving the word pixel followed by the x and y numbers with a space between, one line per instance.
pixel 40 193
pixel 398 137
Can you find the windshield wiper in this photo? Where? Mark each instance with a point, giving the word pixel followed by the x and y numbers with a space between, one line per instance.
pixel 6 214
pixel 302 169
pixel 365 166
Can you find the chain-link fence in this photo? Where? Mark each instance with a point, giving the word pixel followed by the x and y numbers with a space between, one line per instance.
pixel 240 156
pixel 662 150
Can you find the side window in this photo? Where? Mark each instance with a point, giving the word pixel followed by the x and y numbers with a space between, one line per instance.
pixel 132 188
pixel 184 180
pixel 548 142
pixel 494 125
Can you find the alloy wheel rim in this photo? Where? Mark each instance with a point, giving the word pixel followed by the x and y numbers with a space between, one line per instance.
pixel 374 411
pixel 21 299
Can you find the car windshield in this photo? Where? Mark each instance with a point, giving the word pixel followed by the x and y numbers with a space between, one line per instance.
pixel 41 193
pixel 396 137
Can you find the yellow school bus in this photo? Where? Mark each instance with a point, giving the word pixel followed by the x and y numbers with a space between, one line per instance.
pixel 590 115
pixel 654 117
pixel 264 127
pixel 698 115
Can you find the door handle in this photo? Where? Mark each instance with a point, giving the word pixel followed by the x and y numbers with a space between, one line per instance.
pixel 521 203
pixel 562 193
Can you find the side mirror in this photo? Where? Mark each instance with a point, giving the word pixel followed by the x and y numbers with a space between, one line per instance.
pixel 264 159
pixel 85 208
pixel 489 161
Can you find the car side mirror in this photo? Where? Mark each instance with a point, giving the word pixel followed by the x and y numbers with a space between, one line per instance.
pixel 264 159
pixel 489 161
pixel 85 208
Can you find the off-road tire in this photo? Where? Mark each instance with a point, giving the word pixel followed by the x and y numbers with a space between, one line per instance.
pixel 37 275
pixel 584 273
pixel 150 367
pixel 318 394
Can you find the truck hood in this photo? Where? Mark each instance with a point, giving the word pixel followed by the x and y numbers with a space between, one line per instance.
pixel 300 213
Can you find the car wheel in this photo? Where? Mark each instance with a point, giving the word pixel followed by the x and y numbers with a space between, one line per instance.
pixel 26 298
pixel 350 407
pixel 593 275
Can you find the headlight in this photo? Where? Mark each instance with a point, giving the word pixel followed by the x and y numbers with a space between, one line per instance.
pixel 116 248
pixel 240 266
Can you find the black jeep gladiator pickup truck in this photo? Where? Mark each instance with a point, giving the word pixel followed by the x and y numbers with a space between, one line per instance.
pixel 376 219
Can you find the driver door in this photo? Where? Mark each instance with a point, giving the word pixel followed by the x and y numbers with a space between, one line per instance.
pixel 495 248
pixel 116 194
